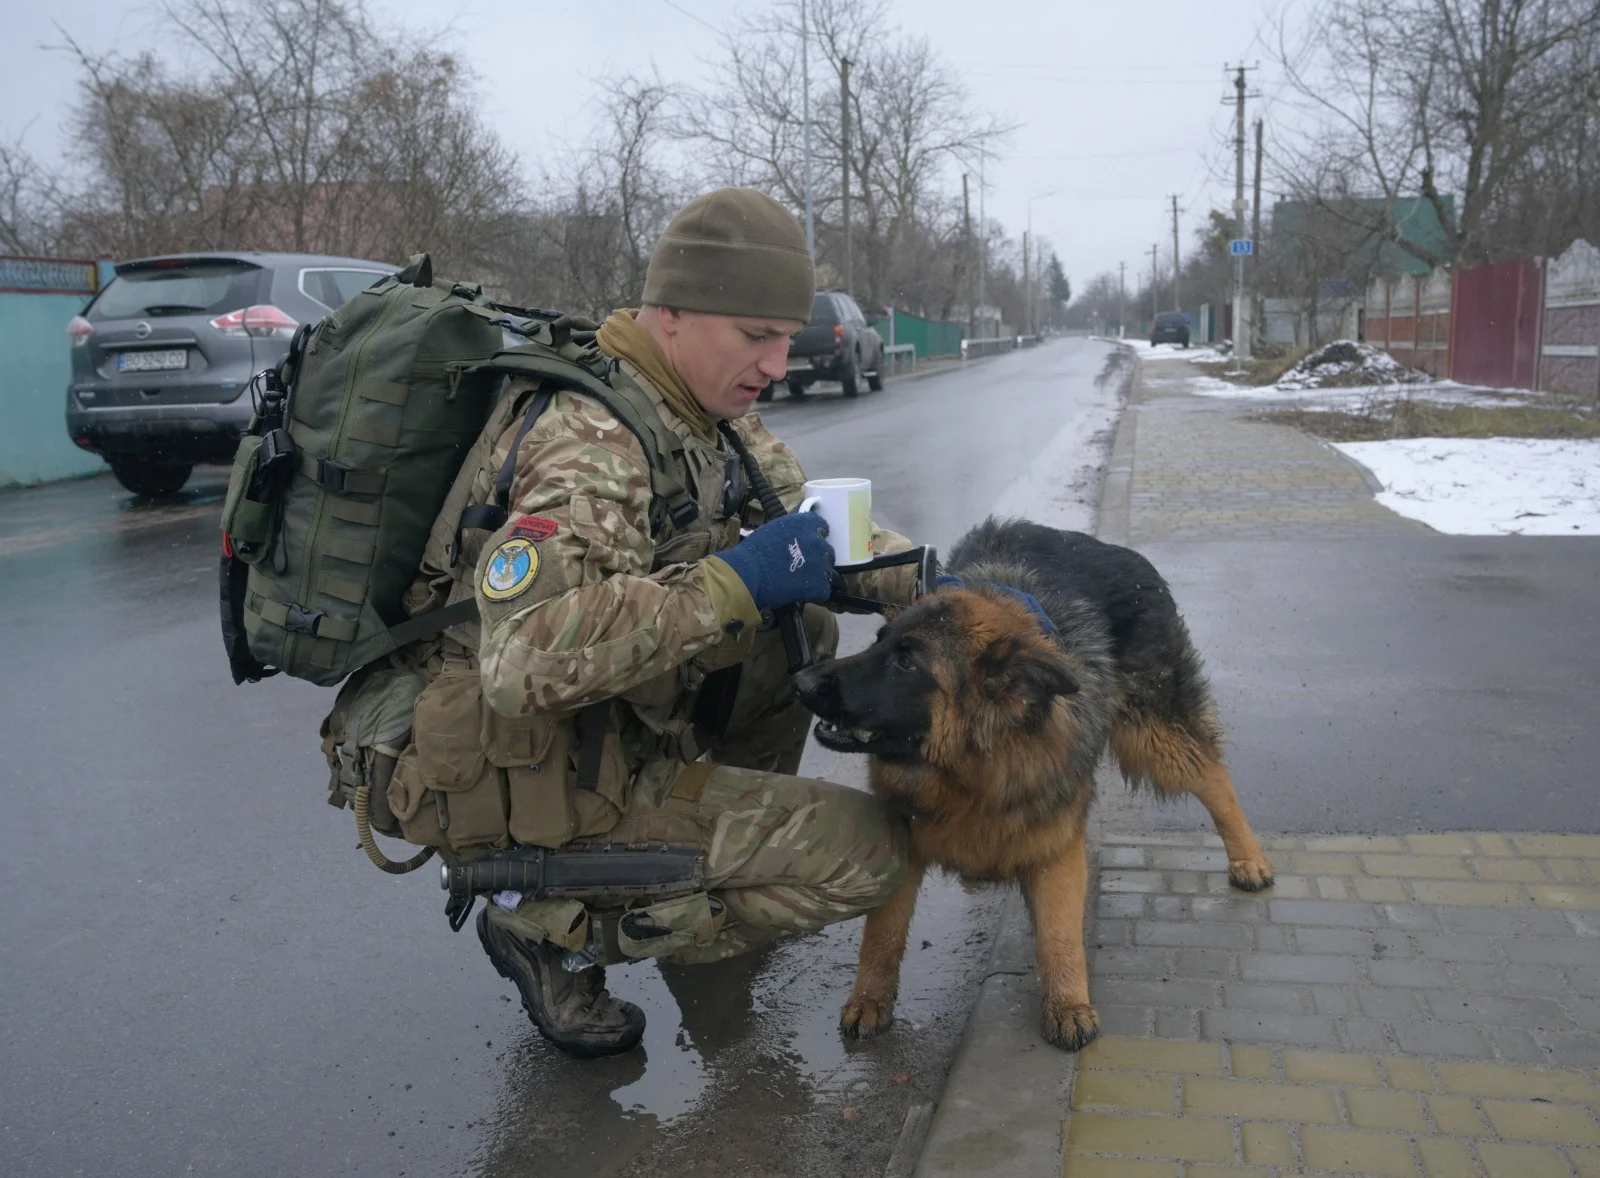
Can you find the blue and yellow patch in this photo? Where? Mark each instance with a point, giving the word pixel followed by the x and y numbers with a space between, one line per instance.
pixel 512 568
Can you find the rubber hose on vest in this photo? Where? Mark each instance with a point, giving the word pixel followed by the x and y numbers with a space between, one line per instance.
pixel 364 833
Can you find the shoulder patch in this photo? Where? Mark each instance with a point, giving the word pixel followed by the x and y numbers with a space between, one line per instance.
pixel 512 567
pixel 534 527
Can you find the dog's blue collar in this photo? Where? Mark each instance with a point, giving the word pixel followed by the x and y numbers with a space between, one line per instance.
pixel 946 581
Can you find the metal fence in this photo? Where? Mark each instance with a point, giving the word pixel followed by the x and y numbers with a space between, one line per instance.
pixel 38 296
pixel 1494 324
pixel 930 337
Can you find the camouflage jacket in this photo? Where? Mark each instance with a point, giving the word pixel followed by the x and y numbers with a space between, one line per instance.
pixel 579 603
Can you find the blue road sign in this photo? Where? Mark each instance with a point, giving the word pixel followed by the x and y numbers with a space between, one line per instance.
pixel 1242 246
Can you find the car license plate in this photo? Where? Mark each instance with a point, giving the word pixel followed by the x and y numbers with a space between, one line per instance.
pixel 151 361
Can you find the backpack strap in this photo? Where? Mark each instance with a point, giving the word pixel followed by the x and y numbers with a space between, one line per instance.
pixel 627 402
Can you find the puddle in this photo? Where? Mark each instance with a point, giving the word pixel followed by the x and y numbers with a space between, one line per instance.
pixel 674 1077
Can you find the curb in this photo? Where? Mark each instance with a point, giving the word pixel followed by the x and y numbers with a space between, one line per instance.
pixel 1004 1101
pixel 1112 522
pixel 1001 1109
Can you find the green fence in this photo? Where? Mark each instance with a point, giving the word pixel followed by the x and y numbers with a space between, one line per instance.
pixel 37 298
pixel 929 336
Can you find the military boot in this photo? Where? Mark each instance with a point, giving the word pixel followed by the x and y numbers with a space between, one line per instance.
pixel 572 1010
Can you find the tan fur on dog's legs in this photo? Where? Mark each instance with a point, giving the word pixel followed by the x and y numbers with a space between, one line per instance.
pixel 1248 868
pixel 1055 892
pixel 1177 763
pixel 883 943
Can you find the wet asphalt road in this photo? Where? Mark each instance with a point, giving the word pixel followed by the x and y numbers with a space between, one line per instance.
pixel 1397 684
pixel 203 975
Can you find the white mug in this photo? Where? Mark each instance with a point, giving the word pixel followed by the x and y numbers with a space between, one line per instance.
pixel 847 506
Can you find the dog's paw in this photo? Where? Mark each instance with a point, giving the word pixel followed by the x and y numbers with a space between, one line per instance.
pixel 864 1016
pixel 1250 875
pixel 1070 1025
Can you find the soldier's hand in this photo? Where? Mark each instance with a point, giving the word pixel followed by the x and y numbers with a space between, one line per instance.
pixel 784 561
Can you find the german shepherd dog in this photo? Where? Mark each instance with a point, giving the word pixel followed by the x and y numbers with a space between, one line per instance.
pixel 985 708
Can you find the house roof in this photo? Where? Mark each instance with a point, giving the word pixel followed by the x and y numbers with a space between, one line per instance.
pixel 1413 219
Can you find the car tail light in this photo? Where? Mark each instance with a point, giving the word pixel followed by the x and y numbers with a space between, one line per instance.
pixel 260 322
pixel 838 336
pixel 79 330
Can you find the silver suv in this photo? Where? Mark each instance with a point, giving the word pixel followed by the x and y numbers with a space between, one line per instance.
pixel 162 355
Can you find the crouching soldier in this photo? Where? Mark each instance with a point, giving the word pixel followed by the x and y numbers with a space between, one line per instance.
pixel 624 687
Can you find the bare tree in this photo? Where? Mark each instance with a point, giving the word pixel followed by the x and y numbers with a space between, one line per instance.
pixel 28 200
pixel 910 118
pixel 587 243
pixel 306 127
pixel 1452 100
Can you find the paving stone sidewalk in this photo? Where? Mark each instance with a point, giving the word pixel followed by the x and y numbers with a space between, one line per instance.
pixel 1425 1006
pixel 1200 470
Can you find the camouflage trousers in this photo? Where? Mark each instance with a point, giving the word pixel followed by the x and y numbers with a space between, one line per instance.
pixel 784 854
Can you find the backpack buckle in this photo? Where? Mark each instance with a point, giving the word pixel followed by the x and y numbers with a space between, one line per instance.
pixel 683 512
pixel 330 475
pixel 300 620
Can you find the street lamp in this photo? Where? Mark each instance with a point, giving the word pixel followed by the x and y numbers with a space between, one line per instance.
pixel 1027 286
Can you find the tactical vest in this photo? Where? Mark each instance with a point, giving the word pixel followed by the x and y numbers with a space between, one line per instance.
pixel 447 771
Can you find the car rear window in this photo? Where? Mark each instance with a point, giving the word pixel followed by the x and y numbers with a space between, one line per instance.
pixel 1170 319
pixel 334 288
pixel 183 288
pixel 823 311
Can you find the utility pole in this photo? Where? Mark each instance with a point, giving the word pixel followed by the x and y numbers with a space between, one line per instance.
pixel 1122 295
pixel 805 119
pixel 966 255
pixel 983 247
pixel 1241 332
pixel 1177 299
pixel 1155 281
pixel 1255 224
pixel 1027 290
pixel 844 112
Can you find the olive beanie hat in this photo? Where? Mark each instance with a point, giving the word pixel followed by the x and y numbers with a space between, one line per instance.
pixel 734 251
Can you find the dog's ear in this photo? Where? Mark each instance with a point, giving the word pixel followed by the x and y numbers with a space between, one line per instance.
pixel 1025 676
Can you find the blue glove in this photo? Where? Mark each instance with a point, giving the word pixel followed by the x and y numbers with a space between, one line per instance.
pixel 784 561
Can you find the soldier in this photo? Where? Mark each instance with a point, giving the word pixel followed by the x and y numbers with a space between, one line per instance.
pixel 602 635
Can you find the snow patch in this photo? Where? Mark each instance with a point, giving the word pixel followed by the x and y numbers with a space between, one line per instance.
pixel 1362 397
pixel 1489 486
pixel 1061 487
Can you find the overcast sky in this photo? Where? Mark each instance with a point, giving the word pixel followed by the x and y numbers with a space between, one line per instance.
pixel 1119 103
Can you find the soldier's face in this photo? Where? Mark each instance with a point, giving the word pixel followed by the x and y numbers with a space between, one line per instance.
pixel 727 360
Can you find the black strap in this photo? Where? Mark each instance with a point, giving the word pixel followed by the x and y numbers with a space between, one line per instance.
pixel 428 624
pixel 492 515
pixel 592 724
pixel 508 469
pixel 713 707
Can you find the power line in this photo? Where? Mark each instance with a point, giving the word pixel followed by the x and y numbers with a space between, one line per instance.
pixel 1195 82
pixel 1102 155
pixel 697 20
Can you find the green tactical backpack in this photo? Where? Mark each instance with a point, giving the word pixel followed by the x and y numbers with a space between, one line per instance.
pixel 354 444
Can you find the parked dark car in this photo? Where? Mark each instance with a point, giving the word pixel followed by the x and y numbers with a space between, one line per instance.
pixel 837 344
pixel 162 355
pixel 1170 327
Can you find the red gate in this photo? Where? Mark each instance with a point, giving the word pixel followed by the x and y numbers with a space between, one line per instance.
pixel 1495 313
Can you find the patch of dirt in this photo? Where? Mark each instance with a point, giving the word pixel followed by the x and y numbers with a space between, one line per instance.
pixel 1265 365
pixel 1382 419
pixel 1345 364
